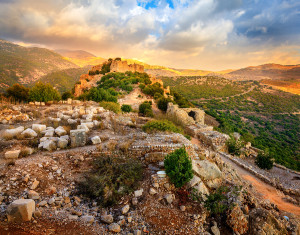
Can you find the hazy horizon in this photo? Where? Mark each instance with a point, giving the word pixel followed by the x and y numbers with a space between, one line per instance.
pixel 205 34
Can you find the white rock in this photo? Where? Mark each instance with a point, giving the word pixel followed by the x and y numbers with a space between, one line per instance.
pixel 195 180
pixel 60 131
pixel 88 219
pixel 49 133
pixel 138 193
pixel 78 138
pixel 20 210
pixel 33 195
pixel 96 140
pixel 29 133
pixel 202 189
pixel 49 145
pixel 125 209
pixel 152 191
pixel 11 133
pixel 12 154
pixel 169 198
pixel 72 121
pixel 38 127
pixel 62 143
pixel 107 219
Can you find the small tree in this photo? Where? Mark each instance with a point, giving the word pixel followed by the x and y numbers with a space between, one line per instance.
pixel 146 109
pixel 43 93
pixel 18 92
pixel 179 167
pixel 264 161
pixel 66 95
pixel 126 108
pixel 162 103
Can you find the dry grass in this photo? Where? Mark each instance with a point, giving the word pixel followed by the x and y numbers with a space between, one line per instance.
pixel 111 145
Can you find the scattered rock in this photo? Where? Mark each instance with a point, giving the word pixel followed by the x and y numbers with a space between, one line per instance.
pixel 169 198
pixel 152 191
pixel 12 154
pixel 138 193
pixel 96 140
pixel 215 230
pixel 38 128
pixel 29 133
pixel 20 210
pixel 34 185
pixel 125 209
pixel 237 221
pixel 78 138
pixel 107 219
pixel 33 195
pixel 62 143
pixel 88 219
pixel 60 131
pixel 11 133
pixel 115 228
pixel 206 169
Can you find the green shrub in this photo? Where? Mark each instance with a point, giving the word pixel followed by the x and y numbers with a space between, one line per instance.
pixel 234 146
pixel 92 73
pixel 264 161
pixel 66 95
pixel 114 107
pixel 100 94
pixel 126 108
pixel 146 109
pixel 110 179
pixel 18 92
pixel 217 202
pixel 42 92
pixel 153 89
pixel 161 125
pixel 178 167
pixel 162 103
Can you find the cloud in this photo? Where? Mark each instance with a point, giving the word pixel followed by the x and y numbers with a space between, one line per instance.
pixel 208 34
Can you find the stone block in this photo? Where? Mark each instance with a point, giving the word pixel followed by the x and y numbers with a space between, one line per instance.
pixel 20 210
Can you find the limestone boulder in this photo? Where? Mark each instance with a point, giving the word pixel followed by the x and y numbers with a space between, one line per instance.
pixel 202 189
pixel 49 145
pixel 96 140
pixel 20 210
pixel 83 127
pixel 60 131
pixel 72 121
pixel 62 143
pixel 206 169
pixel 12 133
pixel 38 128
pixel 195 180
pixel 14 154
pixel 78 138
pixel 29 133
pixel 49 133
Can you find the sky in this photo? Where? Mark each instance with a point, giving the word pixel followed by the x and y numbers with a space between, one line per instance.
pixel 195 34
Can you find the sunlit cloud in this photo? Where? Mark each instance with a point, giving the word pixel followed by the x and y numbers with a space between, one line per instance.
pixel 203 34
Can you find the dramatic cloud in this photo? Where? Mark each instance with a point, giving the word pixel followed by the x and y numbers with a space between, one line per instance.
pixel 204 34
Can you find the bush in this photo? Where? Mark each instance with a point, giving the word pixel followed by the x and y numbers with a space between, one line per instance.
pixel 217 202
pixel 110 179
pixel 178 167
pixel 18 92
pixel 162 103
pixel 100 94
pixel 153 89
pixel 234 146
pixel 146 109
pixel 161 125
pixel 126 108
pixel 264 161
pixel 92 73
pixel 114 107
pixel 66 95
pixel 42 92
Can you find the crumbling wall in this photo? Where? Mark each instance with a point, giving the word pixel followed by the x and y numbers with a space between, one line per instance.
pixel 86 82
pixel 186 116
pixel 122 67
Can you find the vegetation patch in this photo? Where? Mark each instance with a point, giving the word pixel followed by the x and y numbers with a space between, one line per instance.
pixel 178 167
pixel 126 108
pixel 110 179
pixel 145 109
pixel 114 107
pixel 161 125
pixel 264 161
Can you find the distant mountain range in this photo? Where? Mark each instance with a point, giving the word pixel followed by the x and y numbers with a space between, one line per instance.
pixel 62 68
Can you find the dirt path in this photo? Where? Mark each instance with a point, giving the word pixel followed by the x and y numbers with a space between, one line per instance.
pixel 265 190
pixel 270 193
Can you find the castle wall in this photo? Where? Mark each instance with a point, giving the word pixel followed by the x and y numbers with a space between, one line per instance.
pixel 122 67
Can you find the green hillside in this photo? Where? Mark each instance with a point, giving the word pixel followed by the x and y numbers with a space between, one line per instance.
pixel 64 80
pixel 26 65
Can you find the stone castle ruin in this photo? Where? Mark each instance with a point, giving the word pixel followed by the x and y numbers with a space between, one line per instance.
pixel 87 81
